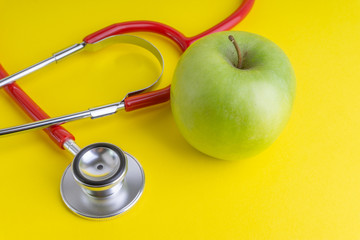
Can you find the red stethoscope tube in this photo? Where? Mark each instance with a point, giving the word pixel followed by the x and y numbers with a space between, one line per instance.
pixel 167 31
pixel 59 134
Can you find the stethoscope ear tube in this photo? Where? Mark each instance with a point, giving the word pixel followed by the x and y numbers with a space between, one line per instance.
pixel 134 102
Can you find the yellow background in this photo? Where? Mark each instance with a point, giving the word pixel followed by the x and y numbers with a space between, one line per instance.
pixel 305 186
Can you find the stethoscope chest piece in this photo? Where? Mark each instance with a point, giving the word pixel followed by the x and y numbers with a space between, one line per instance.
pixel 102 182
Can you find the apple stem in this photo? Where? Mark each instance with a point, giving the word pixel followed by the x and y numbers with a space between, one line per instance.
pixel 232 39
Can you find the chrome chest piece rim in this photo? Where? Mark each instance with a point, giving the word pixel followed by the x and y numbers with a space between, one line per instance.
pixel 102 182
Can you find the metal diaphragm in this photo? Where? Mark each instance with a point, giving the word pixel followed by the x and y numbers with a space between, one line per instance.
pixel 102 182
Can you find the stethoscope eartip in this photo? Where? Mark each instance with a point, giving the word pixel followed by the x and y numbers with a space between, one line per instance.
pixel 102 182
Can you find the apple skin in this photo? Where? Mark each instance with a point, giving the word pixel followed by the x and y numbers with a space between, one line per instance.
pixel 227 112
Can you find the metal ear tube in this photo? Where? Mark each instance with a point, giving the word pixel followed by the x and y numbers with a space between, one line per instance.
pixel 130 102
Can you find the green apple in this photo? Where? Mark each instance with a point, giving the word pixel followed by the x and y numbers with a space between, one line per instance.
pixel 232 104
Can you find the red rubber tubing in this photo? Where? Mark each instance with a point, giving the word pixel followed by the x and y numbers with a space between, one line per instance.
pixel 58 134
pixel 147 99
pixel 155 27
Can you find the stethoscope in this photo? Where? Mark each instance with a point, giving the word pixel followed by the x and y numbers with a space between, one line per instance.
pixel 103 181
